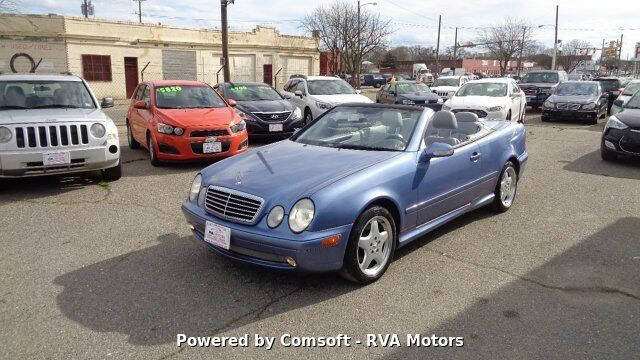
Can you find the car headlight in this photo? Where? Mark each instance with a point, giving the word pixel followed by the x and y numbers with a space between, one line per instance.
pixel 241 113
pixel 494 108
pixel 236 128
pixel 408 102
pixel 169 130
pixel 548 104
pixel 195 187
pixel 5 134
pixel 97 130
pixel 591 106
pixel 614 123
pixel 275 216
pixel 301 215
pixel 440 101
pixel 297 114
pixel 547 91
pixel 323 106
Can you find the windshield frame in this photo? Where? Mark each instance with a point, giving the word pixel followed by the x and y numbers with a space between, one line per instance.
pixel 317 81
pixel 634 98
pixel 594 91
pixel 470 84
pixel 635 84
pixel 457 80
pixel 216 94
pixel 414 85
pixel 229 92
pixel 525 80
pixel 35 81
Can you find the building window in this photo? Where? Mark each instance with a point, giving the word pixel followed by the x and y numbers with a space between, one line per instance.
pixel 96 67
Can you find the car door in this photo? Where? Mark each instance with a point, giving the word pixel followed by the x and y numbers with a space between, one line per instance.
pixel 145 114
pixel 516 101
pixel 448 183
pixel 135 120
pixel 382 93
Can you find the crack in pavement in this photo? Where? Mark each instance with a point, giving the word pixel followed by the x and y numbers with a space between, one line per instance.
pixel 570 289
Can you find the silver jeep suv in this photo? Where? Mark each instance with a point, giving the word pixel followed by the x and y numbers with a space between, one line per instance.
pixel 53 124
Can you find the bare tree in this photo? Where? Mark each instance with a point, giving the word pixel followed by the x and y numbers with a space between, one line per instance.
pixel 574 53
pixel 337 28
pixel 8 6
pixel 505 41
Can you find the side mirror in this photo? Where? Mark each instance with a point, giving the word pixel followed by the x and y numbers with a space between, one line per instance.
pixel 436 150
pixel 231 102
pixel 618 103
pixel 140 104
pixel 298 93
pixel 287 96
pixel 106 102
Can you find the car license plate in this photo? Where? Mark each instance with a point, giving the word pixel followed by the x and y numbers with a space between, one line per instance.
pixel 211 147
pixel 56 158
pixel 217 235
pixel 275 127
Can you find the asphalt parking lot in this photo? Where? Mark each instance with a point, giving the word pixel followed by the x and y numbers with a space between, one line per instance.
pixel 95 270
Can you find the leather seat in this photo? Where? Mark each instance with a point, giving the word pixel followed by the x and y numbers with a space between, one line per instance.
pixel 468 124
pixel 441 129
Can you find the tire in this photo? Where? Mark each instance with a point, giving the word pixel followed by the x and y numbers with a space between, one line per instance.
pixel 607 156
pixel 506 188
pixel 153 156
pixel 357 266
pixel 308 117
pixel 133 144
pixel 112 174
pixel 523 114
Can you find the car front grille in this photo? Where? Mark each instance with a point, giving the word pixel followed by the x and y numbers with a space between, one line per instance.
pixel 480 113
pixel 529 90
pixel 233 205
pixel 45 136
pixel 442 93
pixel 631 142
pixel 567 106
pixel 207 133
pixel 273 116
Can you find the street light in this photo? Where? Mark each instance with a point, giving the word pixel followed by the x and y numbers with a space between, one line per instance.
pixel 358 48
pixel 555 40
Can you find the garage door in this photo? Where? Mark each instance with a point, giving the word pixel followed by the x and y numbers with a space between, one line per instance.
pixel 179 65
pixel 297 65
pixel 243 67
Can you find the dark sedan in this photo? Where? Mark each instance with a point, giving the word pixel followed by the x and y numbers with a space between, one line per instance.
pixel 612 87
pixel 266 112
pixel 576 100
pixel 621 134
pixel 409 93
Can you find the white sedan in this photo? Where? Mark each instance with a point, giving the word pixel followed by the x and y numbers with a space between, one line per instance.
pixel 489 98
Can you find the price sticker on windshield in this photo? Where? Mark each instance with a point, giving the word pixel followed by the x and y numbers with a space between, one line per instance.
pixel 169 89
pixel 238 88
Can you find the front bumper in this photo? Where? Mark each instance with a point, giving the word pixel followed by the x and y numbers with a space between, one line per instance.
pixel 570 114
pixel 259 128
pixel 537 99
pixel 259 245
pixel 185 147
pixel 29 163
pixel 621 142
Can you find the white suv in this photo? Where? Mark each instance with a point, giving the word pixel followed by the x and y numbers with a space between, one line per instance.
pixel 52 124
pixel 314 95
pixel 446 86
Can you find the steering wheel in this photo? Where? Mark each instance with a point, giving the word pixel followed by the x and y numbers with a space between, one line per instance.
pixel 398 137
pixel 394 141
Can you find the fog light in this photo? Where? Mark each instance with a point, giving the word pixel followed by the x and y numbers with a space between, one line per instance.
pixel 291 262
pixel 331 241
pixel 113 149
pixel 191 227
pixel 609 144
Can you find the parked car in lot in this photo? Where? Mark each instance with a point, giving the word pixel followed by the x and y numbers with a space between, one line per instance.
pixel 409 93
pixel 375 80
pixel 629 89
pixel 621 135
pixel 576 100
pixel 539 85
pixel 612 87
pixel 264 110
pixel 499 99
pixel 347 190
pixel 314 95
pixel 184 120
pixel 446 86
pixel 53 124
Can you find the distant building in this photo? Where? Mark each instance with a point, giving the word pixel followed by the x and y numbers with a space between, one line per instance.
pixel 114 56
pixel 489 67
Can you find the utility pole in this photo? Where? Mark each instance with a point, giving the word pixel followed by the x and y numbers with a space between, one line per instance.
pixel 139 10
pixel 225 38
pixel 455 45
pixel 620 54
pixel 359 61
pixel 555 43
pixel 85 9
pixel 438 46
pixel 524 32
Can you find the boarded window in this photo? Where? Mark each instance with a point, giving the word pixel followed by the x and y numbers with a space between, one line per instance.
pixel 96 67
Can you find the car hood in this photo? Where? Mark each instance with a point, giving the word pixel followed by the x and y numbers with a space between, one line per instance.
pixel 35 116
pixel 578 99
pixel 418 96
pixel 631 117
pixel 199 117
pixel 265 106
pixel 539 85
pixel 478 102
pixel 342 98
pixel 445 88
pixel 287 170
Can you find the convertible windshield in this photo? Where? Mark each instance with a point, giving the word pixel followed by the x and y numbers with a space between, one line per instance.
pixel 329 87
pixel 30 94
pixel 578 88
pixel 541 77
pixel 362 128
pixel 609 84
pixel 634 102
pixel 483 89
pixel 187 97
pixel 446 82
pixel 404 88
pixel 252 93
pixel 631 88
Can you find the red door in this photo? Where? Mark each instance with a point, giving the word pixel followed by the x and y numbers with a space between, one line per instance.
pixel 130 75
pixel 267 70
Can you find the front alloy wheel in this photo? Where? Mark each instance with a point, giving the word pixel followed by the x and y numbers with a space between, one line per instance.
pixel 506 188
pixel 153 157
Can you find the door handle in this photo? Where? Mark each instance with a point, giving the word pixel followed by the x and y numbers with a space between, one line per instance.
pixel 475 156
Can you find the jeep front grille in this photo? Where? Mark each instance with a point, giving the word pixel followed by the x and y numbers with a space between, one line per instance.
pixel 233 205
pixel 43 136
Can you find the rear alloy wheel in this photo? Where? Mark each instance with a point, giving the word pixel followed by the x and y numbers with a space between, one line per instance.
pixel 371 246
pixel 133 144
pixel 153 157
pixel 505 192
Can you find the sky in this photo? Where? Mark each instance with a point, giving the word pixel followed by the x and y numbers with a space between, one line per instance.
pixel 414 22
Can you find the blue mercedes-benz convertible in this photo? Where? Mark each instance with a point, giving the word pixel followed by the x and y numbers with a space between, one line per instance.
pixel 349 188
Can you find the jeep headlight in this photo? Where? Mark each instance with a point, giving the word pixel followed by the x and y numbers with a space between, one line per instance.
pixel 591 106
pixel 97 130
pixel 275 216
pixel 195 187
pixel 614 123
pixel 5 134
pixel 301 215
pixel 297 114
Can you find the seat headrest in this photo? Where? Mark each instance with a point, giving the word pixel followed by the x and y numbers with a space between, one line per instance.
pixel 445 120
pixel 392 118
pixel 17 89
pixel 466 116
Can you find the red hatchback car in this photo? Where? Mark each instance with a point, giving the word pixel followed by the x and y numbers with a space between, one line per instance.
pixel 184 120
